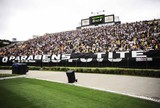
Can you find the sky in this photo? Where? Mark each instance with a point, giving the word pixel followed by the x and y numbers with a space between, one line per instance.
pixel 22 19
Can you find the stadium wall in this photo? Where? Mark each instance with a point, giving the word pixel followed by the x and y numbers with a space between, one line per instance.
pixel 133 59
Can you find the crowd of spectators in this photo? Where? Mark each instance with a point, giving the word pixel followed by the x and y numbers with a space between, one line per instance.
pixel 143 35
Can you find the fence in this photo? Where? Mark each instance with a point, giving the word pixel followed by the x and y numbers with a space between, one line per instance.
pixel 129 59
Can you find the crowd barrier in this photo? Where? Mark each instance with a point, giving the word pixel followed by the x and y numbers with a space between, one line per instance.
pixel 129 59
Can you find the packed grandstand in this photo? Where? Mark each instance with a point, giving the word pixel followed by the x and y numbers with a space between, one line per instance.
pixel 143 35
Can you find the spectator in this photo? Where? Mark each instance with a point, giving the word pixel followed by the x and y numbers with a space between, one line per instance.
pixel 144 35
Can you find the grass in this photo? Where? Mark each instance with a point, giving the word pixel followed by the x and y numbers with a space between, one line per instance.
pixel 7 75
pixel 32 93
pixel 68 67
pixel 107 68
pixel 100 70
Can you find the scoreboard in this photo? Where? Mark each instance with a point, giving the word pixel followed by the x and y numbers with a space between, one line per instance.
pixel 98 19
pixel 95 20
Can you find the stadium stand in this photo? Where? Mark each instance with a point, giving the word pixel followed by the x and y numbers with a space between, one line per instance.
pixel 143 35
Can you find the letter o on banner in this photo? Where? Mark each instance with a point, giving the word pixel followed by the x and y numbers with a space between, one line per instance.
pixel 4 59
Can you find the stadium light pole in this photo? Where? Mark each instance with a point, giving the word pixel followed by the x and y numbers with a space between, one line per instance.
pixel 98 12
